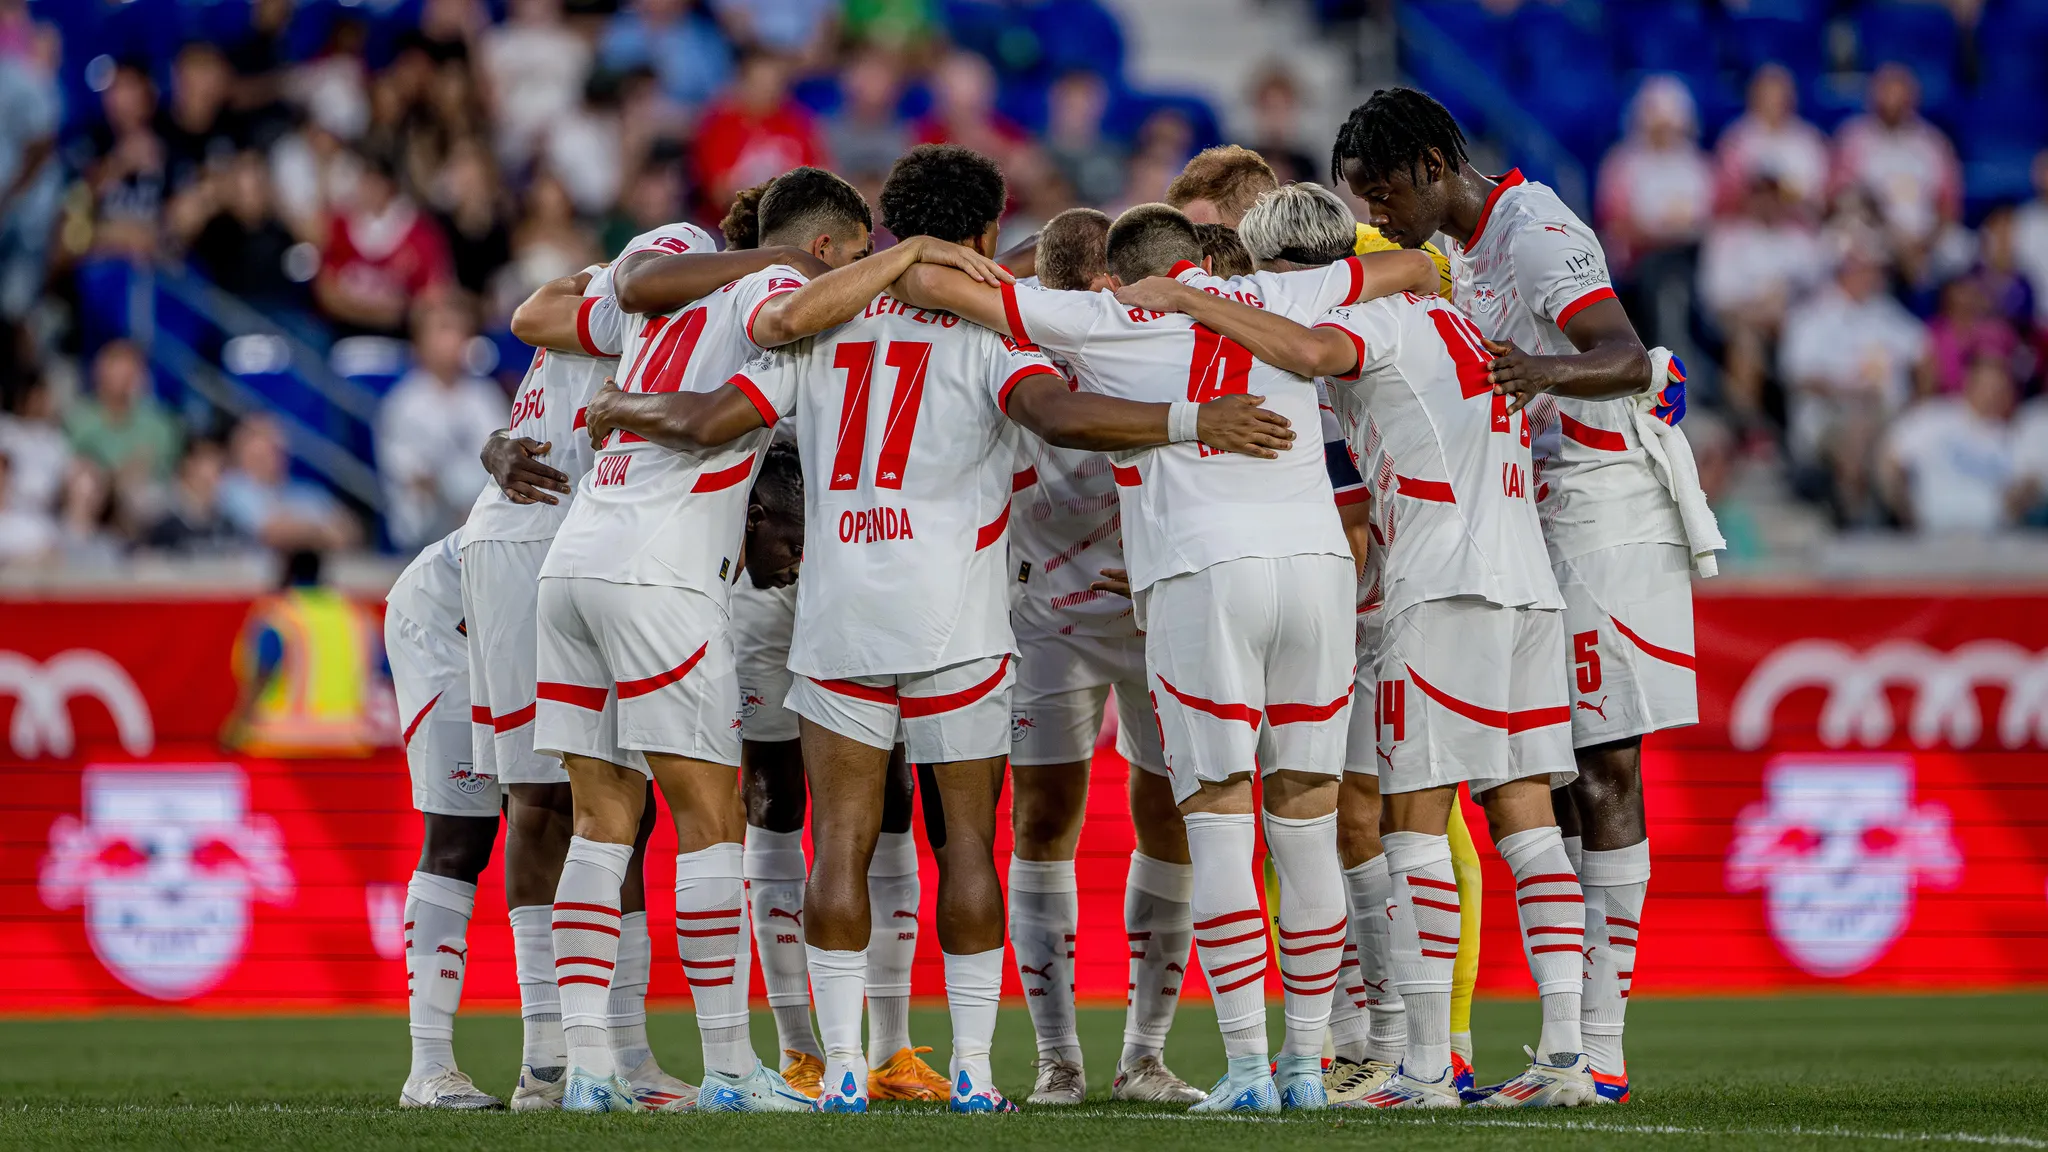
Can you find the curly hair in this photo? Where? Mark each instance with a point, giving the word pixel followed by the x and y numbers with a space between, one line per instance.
pixel 779 488
pixel 742 223
pixel 944 191
pixel 1395 132
pixel 806 202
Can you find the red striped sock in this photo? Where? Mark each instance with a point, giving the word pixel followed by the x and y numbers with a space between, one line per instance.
pixel 711 936
pixel 586 932
pixel 1312 925
pixel 1553 915
pixel 1615 883
pixel 1230 931
pixel 1424 939
pixel 1158 928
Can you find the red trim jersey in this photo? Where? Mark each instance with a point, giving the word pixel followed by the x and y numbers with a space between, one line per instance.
pixel 1449 469
pixel 908 464
pixel 1185 505
pixel 646 514
pixel 1530 267
pixel 548 407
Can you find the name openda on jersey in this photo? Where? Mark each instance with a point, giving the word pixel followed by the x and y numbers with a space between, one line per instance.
pixel 909 458
pixel 1530 266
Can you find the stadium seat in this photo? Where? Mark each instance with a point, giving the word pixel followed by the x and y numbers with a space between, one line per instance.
pixel 1790 34
pixel 1666 37
pixel 1919 34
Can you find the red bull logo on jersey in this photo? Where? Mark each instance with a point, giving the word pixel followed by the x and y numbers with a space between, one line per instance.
pixel 1839 846
pixel 871 524
pixel 165 861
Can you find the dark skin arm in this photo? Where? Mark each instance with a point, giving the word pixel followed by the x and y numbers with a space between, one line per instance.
pixel 682 421
pixel 1069 419
pixel 665 281
pixel 514 465
pixel 1611 362
pixel 547 319
pixel 1269 336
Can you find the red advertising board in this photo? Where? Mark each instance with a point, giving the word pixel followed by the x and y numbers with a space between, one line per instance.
pixel 1862 805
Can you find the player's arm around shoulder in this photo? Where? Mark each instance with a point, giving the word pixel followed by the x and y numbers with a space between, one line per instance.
pixel 680 421
pixel 1271 337
pixel 652 281
pixel 843 293
pixel 1043 402
pixel 547 319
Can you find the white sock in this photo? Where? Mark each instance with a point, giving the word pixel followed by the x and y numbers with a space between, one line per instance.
pixel 1045 913
pixel 711 936
pixel 1160 930
pixel 1348 1029
pixel 437 912
pixel 838 982
pixel 586 930
pixel 628 1001
pixel 974 989
pixel 1370 887
pixel 540 1001
pixel 893 895
pixel 775 902
pixel 1575 851
pixel 1312 924
pixel 1553 916
pixel 1615 884
pixel 1230 931
pixel 1424 934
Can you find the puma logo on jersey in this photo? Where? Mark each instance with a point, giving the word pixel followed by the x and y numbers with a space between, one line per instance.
pixel 1557 229
pixel 1599 709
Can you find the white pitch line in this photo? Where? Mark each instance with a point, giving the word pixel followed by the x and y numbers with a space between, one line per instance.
pixel 1456 1120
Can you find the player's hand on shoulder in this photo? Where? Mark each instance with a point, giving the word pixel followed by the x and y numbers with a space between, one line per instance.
pixel 1153 293
pixel 597 416
pixel 934 251
pixel 1516 374
pixel 1115 581
pixel 1239 424
pixel 514 464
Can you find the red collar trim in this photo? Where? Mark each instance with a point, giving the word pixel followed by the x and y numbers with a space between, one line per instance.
pixel 1184 266
pixel 1486 210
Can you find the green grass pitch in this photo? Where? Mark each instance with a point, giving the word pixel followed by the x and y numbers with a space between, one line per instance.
pixel 1823 1072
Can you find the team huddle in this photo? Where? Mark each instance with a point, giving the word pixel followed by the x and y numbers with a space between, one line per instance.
pixel 1340 522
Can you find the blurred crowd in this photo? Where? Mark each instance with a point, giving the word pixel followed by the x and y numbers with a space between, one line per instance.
pixel 1852 326
pixel 412 187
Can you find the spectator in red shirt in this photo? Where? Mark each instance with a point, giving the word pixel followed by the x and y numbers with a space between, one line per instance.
pixel 382 254
pixel 755 132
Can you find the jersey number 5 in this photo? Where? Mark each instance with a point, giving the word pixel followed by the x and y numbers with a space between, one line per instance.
pixel 857 359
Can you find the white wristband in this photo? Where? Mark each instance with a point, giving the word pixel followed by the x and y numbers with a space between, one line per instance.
pixel 1181 418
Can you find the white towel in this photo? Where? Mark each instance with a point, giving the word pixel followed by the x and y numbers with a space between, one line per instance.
pixel 1671 456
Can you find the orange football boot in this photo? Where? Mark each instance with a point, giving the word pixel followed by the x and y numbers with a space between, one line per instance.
pixel 803 1072
pixel 906 1077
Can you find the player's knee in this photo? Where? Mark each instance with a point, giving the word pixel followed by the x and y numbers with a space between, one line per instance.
pixel 1045 816
pixel 457 847
pixel 1609 773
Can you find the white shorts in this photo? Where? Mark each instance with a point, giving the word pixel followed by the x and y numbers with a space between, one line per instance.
pixel 1628 627
pixel 1251 662
pixel 431 677
pixel 1361 740
pixel 627 669
pixel 763 620
pixel 500 587
pixel 961 712
pixel 1471 692
pixel 1063 684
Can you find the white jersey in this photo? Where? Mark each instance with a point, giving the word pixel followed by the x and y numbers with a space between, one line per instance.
pixel 429 591
pixel 549 408
pixel 646 514
pixel 1448 468
pixel 1530 267
pixel 908 467
pixel 1190 506
pixel 1066 528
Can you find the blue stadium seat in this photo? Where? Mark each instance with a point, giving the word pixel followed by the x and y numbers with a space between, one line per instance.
pixel 1666 37
pixel 2012 44
pixel 1790 34
pixel 1077 36
pixel 1917 33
